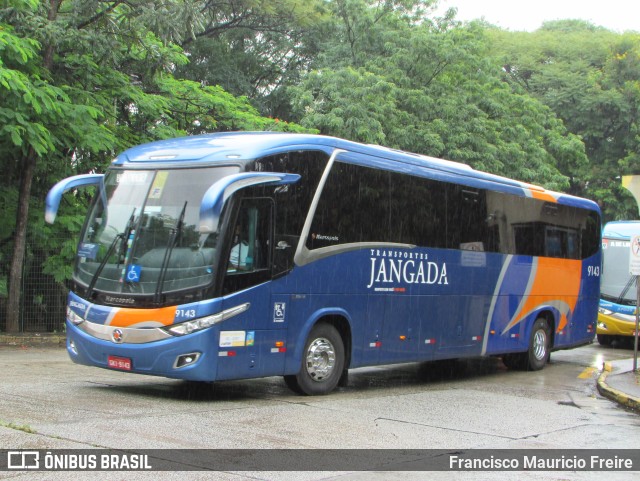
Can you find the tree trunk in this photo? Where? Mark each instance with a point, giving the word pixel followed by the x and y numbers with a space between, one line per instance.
pixel 20 243
pixel 22 215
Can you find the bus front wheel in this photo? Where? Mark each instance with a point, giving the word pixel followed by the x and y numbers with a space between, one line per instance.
pixel 604 339
pixel 322 362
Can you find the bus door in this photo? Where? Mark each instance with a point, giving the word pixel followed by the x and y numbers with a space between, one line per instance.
pixel 250 344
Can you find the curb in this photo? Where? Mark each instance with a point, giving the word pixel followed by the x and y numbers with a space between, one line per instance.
pixel 614 394
pixel 33 340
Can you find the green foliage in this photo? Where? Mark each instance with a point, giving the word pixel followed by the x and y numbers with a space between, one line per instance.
pixel 349 103
pixel 428 89
pixel 589 77
pixel 254 48
pixel 27 100
pixel 194 108
pixel 8 197
pixel 60 256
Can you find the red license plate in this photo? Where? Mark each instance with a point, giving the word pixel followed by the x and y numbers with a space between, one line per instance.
pixel 122 363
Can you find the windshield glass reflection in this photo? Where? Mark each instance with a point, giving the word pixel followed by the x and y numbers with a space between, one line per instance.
pixel 144 238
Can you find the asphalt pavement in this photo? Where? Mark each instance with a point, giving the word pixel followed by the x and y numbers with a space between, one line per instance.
pixel 617 380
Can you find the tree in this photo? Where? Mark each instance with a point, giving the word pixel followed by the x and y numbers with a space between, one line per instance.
pixel 393 76
pixel 30 110
pixel 252 48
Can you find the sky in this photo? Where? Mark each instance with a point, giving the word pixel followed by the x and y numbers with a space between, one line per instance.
pixel 528 15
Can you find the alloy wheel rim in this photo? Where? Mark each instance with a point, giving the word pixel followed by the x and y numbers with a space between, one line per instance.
pixel 321 359
pixel 540 344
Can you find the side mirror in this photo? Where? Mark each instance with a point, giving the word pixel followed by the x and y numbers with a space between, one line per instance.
pixel 52 202
pixel 215 197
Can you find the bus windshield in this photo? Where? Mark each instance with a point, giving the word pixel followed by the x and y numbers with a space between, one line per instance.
pixel 617 284
pixel 141 236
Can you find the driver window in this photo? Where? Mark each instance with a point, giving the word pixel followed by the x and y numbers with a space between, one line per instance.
pixel 249 260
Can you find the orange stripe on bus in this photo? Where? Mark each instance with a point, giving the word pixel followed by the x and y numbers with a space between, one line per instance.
pixel 543 195
pixel 556 281
pixel 130 317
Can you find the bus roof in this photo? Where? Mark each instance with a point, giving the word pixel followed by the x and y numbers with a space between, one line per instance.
pixel 225 147
pixel 621 229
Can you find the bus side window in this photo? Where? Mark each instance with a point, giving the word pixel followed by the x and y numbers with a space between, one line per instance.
pixel 249 259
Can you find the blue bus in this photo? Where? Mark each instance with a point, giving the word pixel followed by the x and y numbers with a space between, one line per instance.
pixel 242 255
pixel 618 292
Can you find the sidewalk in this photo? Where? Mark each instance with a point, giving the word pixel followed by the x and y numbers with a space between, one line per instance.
pixel 33 339
pixel 619 383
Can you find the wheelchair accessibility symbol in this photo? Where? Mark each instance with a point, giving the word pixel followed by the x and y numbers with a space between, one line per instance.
pixel 133 273
pixel 279 311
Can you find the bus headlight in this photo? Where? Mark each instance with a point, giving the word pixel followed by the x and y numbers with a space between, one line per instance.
pixel 73 317
pixel 195 325
pixel 604 311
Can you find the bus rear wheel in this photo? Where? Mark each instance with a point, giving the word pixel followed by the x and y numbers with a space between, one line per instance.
pixel 538 353
pixel 322 362
pixel 539 344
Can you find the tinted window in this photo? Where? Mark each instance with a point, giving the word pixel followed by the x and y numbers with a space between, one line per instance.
pixel 363 204
pixel 292 201
pixel 355 207
pixel 418 211
pixel 538 228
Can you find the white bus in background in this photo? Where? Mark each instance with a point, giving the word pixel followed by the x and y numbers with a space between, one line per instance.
pixel 618 291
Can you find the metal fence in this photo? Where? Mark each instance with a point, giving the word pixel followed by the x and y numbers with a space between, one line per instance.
pixel 43 300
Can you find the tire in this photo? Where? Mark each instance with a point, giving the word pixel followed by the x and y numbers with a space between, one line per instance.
pixel 292 383
pixel 538 353
pixel 604 339
pixel 539 346
pixel 322 364
pixel 514 361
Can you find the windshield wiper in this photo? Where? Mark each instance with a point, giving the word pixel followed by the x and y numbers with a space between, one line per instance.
pixel 124 246
pixel 174 235
pixel 120 236
pixel 626 288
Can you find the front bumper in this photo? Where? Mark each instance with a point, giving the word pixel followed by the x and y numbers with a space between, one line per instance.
pixel 615 324
pixel 160 358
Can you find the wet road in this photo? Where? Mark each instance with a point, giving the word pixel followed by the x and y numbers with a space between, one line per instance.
pixel 48 402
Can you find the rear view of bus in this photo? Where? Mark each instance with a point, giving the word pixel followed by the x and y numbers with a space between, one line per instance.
pixel 616 316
